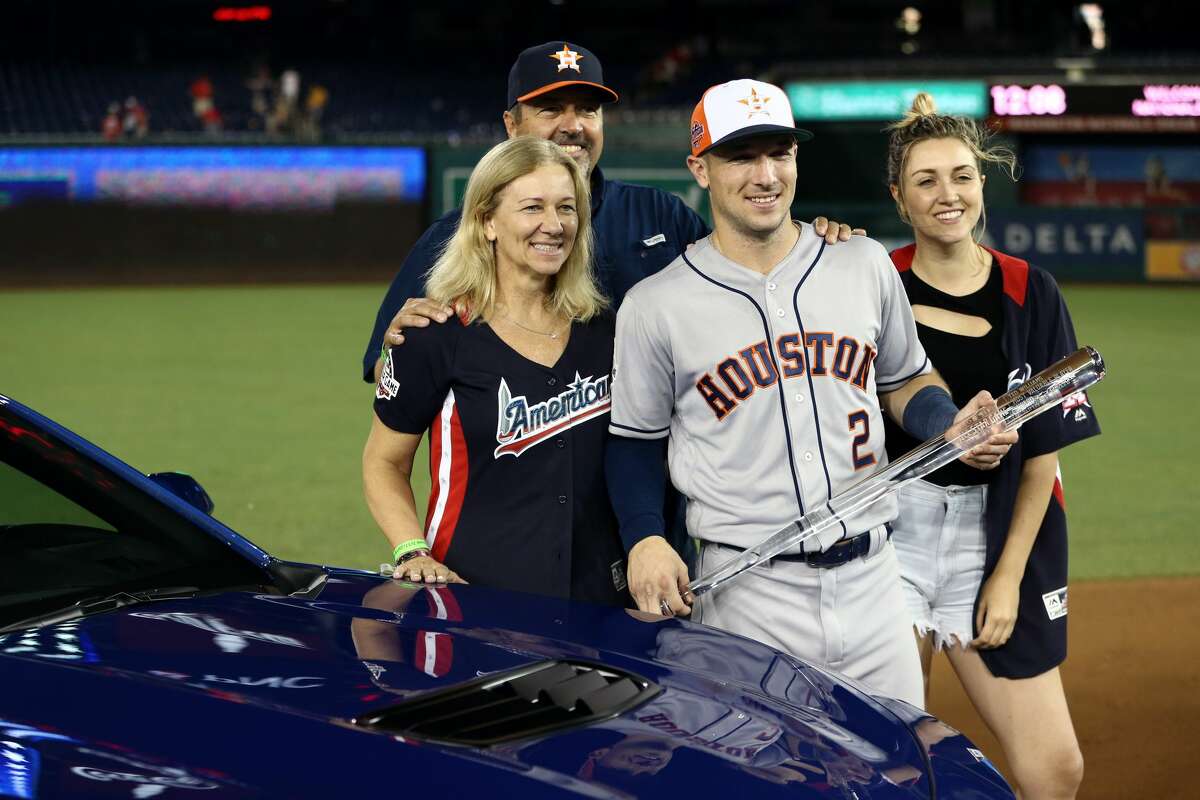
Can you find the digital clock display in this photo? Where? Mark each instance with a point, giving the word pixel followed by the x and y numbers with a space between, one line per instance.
pixel 1023 101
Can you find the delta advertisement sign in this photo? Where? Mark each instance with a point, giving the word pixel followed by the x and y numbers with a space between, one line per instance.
pixel 1073 244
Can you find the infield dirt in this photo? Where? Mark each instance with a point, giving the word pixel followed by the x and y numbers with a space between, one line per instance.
pixel 1133 684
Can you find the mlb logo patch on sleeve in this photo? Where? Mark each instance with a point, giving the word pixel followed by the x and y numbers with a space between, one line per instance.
pixel 1077 403
pixel 1056 603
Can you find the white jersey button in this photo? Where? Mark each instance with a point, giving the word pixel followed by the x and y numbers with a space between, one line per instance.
pixel 799 398
pixel 808 456
pixel 779 312
pixel 771 287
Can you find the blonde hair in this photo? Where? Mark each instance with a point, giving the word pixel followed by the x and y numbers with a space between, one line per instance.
pixel 921 123
pixel 465 272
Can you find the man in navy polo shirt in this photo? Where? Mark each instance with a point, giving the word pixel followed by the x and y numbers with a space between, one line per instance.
pixel 556 91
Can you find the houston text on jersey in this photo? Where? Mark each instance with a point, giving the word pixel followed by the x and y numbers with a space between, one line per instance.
pixel 753 367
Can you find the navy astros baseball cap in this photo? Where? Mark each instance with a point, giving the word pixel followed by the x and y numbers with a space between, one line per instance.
pixel 551 66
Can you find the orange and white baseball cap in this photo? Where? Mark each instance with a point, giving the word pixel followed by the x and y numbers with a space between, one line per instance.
pixel 741 108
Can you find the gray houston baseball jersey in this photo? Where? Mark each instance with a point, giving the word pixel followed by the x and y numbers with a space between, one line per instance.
pixel 766 384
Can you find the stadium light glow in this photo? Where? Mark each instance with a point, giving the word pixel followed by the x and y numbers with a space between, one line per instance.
pixel 1093 17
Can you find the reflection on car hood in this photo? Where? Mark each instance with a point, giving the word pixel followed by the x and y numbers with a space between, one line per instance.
pixel 256 695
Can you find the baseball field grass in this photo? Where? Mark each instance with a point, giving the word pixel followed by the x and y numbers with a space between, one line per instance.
pixel 256 392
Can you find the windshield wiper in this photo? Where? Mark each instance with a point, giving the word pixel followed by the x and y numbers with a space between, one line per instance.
pixel 99 604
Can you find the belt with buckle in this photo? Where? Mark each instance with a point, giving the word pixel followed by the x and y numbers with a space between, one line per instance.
pixel 840 552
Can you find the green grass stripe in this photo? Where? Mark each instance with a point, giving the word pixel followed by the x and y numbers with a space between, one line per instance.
pixel 256 392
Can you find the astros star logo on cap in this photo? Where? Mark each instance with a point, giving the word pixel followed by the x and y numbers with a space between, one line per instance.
pixel 532 76
pixel 567 58
pixel 756 103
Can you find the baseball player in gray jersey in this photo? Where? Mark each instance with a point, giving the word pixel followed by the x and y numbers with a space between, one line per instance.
pixel 764 358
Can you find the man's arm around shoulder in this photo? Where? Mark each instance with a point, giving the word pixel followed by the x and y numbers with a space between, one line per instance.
pixel 409 284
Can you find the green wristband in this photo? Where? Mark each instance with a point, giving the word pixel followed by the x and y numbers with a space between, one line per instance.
pixel 408 547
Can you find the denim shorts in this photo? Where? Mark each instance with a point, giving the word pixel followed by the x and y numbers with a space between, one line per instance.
pixel 941 545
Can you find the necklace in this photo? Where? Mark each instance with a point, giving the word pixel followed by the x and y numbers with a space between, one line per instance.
pixel 551 334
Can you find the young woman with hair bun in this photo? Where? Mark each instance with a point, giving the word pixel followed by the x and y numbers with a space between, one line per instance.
pixel 983 554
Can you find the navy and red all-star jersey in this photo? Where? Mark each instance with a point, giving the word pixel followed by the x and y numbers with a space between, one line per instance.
pixel 1036 332
pixel 516 458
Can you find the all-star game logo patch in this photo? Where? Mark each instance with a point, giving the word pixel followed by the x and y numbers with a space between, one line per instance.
pixel 1056 603
pixel 387 387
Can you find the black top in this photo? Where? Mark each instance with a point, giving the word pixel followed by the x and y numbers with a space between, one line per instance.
pixel 518 498
pixel 1037 332
pixel 967 363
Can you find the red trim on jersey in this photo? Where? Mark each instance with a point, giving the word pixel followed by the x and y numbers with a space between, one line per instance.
pixel 434 653
pixel 442 603
pixel 1058 494
pixel 1015 271
pixel 456 450
pixel 902 257
pixel 1016 275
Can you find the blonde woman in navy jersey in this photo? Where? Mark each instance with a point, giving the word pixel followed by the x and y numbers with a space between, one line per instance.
pixel 983 555
pixel 514 394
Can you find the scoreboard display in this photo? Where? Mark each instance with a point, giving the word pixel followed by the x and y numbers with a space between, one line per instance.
pixel 1053 107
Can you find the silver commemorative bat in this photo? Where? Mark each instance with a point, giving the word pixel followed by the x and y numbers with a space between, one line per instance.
pixel 1043 391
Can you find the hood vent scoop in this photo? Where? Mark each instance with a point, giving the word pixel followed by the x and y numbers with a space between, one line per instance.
pixel 533 700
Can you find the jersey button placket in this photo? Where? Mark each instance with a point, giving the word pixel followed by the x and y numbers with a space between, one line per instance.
pixel 798 422
pixel 781 324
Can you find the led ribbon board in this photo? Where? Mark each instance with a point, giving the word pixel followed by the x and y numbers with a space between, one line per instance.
pixel 232 177
pixel 883 100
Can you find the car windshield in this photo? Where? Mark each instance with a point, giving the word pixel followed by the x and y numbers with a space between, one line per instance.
pixel 73 529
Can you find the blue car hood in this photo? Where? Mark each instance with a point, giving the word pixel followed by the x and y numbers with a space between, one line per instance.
pixel 250 695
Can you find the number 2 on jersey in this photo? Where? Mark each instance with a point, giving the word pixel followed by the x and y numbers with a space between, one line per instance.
pixel 855 419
